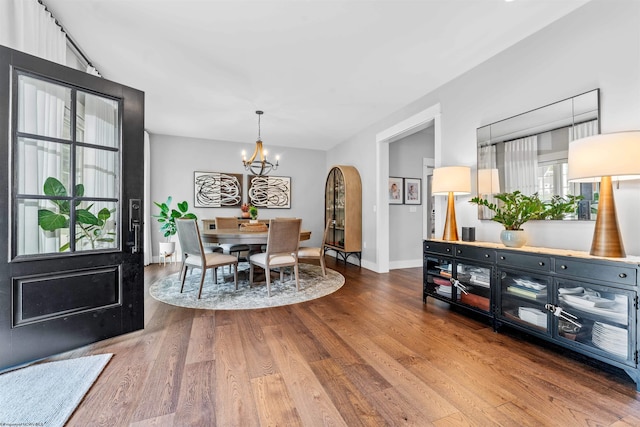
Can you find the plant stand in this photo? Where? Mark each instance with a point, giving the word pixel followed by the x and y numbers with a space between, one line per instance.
pixel 167 250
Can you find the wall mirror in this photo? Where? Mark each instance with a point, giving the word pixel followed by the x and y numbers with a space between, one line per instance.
pixel 528 152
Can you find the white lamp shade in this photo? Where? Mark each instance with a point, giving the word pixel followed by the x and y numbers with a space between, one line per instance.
pixel 455 179
pixel 611 154
pixel 488 181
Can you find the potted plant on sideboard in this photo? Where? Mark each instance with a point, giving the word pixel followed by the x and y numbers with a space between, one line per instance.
pixel 167 217
pixel 515 210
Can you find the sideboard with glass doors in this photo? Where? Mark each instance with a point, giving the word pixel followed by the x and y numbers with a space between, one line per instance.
pixel 583 303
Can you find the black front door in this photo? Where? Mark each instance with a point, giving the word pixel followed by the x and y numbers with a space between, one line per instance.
pixel 71 269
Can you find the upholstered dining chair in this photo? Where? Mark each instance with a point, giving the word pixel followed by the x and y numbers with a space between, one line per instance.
pixel 224 223
pixel 194 256
pixel 282 250
pixel 306 253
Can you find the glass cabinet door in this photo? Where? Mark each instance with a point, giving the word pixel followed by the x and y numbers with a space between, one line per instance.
pixel 474 285
pixel 335 207
pixel 523 298
pixel 596 317
pixel 438 278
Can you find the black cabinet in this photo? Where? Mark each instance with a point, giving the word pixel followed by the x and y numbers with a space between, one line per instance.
pixel 459 275
pixel 582 303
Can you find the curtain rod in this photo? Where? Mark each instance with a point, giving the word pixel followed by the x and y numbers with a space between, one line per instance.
pixel 69 39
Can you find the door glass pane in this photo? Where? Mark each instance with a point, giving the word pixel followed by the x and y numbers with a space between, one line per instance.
pixel 438 278
pixel 596 317
pixel 97 120
pixel 97 171
pixel 96 226
pixel 523 299
pixel 44 108
pixel 42 227
pixel 39 160
pixel 474 285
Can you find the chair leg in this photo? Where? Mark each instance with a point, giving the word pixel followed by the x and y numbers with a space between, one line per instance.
pixel 204 271
pixel 295 269
pixel 183 276
pixel 267 273
pixel 324 268
pixel 235 275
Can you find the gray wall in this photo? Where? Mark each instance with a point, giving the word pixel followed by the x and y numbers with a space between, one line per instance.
pixel 405 221
pixel 174 159
pixel 597 46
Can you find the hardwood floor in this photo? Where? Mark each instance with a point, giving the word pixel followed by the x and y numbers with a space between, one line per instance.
pixel 369 354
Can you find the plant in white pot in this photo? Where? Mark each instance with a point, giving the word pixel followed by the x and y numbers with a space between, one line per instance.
pixel 167 217
pixel 512 213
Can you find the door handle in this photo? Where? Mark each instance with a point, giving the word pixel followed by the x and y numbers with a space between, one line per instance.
pixel 136 239
pixel 135 219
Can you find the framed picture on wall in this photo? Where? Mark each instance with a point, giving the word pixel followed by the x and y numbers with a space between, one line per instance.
pixel 271 192
pixel 217 189
pixel 395 190
pixel 412 191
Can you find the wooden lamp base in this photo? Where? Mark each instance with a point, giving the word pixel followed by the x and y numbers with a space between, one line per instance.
pixel 450 225
pixel 607 241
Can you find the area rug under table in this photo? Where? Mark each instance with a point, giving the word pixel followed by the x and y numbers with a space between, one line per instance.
pixel 223 296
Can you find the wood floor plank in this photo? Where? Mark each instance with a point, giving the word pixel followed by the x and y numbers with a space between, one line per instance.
pixel 235 403
pixel 275 405
pixel 369 354
pixel 353 405
pixel 202 340
pixel 196 403
pixel 311 400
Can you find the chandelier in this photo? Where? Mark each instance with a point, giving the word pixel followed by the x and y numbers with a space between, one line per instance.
pixel 260 166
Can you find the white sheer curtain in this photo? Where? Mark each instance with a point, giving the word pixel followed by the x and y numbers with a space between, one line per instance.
pixel 521 165
pixel 41 111
pixel 583 130
pixel 26 26
pixel 487 160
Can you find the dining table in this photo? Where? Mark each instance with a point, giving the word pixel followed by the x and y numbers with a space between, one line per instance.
pixel 242 236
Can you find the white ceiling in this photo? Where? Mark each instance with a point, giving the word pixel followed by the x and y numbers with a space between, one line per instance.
pixel 321 70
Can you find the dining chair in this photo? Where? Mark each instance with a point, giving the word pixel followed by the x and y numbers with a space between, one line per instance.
pixel 281 251
pixel 231 223
pixel 306 253
pixel 194 256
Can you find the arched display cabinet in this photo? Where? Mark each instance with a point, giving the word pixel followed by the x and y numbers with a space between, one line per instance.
pixel 343 205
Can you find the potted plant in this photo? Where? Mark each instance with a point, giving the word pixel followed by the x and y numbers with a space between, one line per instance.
pixel 245 210
pixel 92 231
pixel 559 206
pixel 167 217
pixel 253 212
pixel 512 213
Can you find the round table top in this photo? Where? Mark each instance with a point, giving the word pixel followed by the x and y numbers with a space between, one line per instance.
pixel 242 236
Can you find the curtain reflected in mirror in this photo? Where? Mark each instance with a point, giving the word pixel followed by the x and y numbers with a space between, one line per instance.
pixel 528 153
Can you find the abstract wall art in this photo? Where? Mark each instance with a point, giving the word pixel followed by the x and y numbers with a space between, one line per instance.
pixel 217 189
pixel 271 192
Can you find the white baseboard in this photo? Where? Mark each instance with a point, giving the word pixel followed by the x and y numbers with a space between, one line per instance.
pixel 410 263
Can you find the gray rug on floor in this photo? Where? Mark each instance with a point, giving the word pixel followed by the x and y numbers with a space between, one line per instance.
pixel 223 296
pixel 46 394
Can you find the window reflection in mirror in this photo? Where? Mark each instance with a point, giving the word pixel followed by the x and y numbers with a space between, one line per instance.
pixel 528 152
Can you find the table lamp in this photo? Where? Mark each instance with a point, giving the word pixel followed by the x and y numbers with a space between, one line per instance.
pixel 603 158
pixel 452 181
